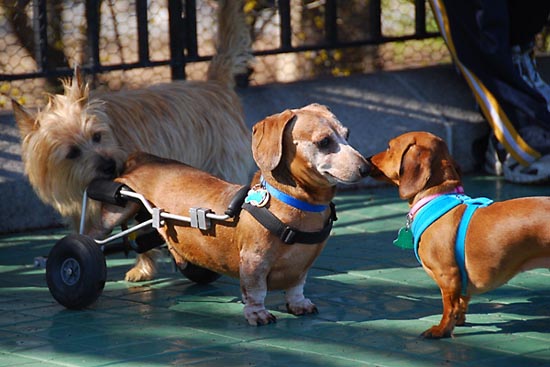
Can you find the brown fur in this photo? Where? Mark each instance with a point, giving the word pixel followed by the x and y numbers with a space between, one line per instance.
pixel 503 239
pixel 285 145
pixel 77 137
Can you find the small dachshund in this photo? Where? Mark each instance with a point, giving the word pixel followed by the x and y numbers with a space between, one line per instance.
pixel 501 239
pixel 302 154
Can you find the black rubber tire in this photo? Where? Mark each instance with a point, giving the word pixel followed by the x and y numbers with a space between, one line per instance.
pixel 199 274
pixel 76 271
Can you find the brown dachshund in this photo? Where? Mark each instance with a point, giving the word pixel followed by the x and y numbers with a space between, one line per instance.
pixel 502 239
pixel 302 154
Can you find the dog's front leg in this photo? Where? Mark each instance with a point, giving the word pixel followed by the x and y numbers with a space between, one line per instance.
pixel 253 276
pixel 296 303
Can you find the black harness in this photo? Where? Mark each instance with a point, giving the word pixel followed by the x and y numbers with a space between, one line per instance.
pixel 286 233
pixel 273 224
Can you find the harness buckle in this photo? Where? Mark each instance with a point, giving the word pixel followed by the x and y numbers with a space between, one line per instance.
pixel 287 236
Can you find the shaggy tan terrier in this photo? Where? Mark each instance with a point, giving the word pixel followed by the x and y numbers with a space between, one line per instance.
pixel 78 136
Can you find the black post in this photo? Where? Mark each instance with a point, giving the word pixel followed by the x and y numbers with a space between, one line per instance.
pixel 331 26
pixel 92 21
pixel 375 19
pixel 420 17
pixel 143 34
pixel 40 19
pixel 286 26
pixel 176 39
pixel 190 39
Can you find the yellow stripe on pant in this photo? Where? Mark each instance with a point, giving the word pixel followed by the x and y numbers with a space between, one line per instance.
pixel 504 131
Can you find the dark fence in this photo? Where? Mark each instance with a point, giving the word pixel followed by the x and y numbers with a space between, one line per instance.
pixel 183 40
pixel 131 43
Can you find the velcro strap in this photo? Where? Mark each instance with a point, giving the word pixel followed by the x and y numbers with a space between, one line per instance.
pixel 286 233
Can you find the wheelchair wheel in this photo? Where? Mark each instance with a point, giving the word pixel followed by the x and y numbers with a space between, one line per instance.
pixel 199 274
pixel 76 271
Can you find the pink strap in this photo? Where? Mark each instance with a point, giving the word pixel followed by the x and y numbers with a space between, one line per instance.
pixel 416 207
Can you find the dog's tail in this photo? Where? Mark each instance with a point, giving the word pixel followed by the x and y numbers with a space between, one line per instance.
pixel 233 49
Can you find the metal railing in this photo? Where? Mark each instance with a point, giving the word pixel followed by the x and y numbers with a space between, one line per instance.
pixel 183 40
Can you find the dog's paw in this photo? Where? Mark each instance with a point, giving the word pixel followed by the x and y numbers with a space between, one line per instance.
pixel 136 274
pixel 258 317
pixel 303 307
pixel 435 332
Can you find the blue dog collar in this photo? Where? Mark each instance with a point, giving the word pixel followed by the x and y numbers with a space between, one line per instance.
pixel 292 201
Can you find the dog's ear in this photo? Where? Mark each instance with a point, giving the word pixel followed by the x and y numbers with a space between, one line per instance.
pixel 267 140
pixel 24 119
pixel 415 170
pixel 77 89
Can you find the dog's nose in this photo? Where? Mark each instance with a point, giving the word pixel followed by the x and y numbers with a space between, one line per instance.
pixel 108 167
pixel 365 168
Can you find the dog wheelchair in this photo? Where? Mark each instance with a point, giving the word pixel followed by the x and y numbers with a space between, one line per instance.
pixel 76 269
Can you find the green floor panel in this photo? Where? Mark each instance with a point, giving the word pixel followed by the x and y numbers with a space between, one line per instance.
pixel 374 300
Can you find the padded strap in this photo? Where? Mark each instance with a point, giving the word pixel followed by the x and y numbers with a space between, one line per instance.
pixel 234 207
pixel 286 233
pixel 106 191
pixel 460 245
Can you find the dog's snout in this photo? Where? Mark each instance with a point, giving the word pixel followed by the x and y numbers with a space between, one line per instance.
pixel 107 166
pixel 365 168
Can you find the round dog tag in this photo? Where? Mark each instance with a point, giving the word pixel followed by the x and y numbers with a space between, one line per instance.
pixel 404 239
pixel 257 196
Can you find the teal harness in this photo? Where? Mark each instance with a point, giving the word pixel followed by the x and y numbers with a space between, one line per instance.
pixel 435 209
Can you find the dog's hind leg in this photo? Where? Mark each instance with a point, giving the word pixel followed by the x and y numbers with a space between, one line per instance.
pixel 113 216
pixel 145 267
pixel 452 312
pixel 296 303
pixel 461 320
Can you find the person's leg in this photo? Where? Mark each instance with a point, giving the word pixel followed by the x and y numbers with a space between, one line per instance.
pixel 477 35
pixel 527 18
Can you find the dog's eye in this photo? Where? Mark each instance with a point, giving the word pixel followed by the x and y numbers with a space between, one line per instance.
pixel 74 153
pixel 96 138
pixel 323 143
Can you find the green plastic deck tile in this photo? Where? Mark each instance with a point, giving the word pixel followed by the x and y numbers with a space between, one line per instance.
pixel 502 342
pixel 543 356
pixel 129 346
pixel 68 354
pixel 303 351
pixel 181 358
pixel 39 327
pixel 12 318
pixel 7 360
pixel 340 351
pixel 531 280
pixel 295 360
pixel 514 361
pixel 19 342
pixel 374 301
